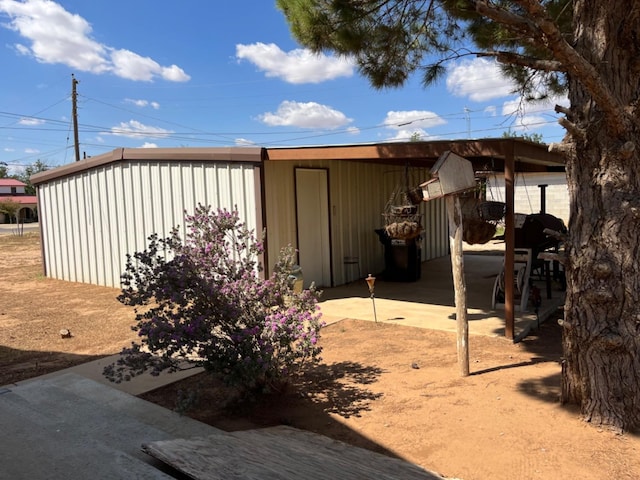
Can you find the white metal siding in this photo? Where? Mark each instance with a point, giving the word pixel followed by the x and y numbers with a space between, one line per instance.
pixel 92 219
pixel 358 194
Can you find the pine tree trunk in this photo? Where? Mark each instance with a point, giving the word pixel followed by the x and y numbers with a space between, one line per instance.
pixel 601 341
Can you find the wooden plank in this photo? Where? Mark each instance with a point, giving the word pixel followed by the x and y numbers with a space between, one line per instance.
pixel 279 453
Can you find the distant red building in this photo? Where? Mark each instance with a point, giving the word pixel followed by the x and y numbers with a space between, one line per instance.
pixel 12 189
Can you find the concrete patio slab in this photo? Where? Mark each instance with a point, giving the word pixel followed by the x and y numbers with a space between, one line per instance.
pixel 429 302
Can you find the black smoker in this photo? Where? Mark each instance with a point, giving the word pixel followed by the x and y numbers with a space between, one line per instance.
pixel 531 235
pixel 402 258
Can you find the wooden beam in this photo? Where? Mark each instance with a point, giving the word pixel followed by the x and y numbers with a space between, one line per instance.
pixel 509 237
pixel 454 212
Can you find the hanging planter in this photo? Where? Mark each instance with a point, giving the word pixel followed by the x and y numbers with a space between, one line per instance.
pixel 491 210
pixel 402 222
pixel 475 228
pixel 415 195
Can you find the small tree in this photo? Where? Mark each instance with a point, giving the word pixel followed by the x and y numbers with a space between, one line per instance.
pixel 204 300
pixel 10 208
pixel 29 171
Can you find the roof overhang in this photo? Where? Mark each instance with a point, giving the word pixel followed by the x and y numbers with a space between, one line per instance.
pixel 485 154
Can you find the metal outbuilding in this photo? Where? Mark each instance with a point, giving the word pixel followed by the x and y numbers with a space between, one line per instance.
pixel 327 201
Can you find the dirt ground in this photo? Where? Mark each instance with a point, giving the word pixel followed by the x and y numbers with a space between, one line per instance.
pixel 33 310
pixel 388 388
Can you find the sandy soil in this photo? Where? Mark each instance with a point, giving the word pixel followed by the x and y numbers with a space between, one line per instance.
pixel 392 389
pixel 33 310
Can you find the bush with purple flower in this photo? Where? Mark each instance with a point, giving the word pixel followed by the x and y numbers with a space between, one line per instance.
pixel 203 301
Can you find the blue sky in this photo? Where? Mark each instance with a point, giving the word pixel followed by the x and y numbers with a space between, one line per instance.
pixel 202 73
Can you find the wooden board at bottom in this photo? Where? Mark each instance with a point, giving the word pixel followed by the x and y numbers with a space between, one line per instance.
pixel 279 453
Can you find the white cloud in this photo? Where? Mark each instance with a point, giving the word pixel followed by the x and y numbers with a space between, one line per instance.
pixel 59 37
pixel 305 115
pixel 296 66
pixel 527 115
pixel 353 131
pixel 31 151
pixel 148 145
pixel 406 134
pixel 135 129
pixel 479 79
pixel 491 110
pixel 7 149
pixel 513 107
pixel 417 119
pixel 244 142
pixel 174 74
pixel 143 103
pixel 30 121
pixel 137 103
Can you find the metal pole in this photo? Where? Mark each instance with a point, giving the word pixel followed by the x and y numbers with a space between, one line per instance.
pixel 543 197
pixel 371 284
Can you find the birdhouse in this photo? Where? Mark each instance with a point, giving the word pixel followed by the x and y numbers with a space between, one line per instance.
pixel 450 174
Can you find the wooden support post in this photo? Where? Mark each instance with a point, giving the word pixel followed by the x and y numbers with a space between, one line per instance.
pixel 454 213
pixel 509 247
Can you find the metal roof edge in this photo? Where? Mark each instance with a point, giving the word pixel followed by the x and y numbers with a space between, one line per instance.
pixel 524 150
pixel 180 154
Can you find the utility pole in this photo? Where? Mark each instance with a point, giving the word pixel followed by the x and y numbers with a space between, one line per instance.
pixel 468 118
pixel 74 114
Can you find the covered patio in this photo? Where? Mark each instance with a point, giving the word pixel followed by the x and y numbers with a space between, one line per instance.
pixel 429 302
pixel 507 156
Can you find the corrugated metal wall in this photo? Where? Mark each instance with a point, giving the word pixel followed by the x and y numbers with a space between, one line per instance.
pixel 358 194
pixel 92 219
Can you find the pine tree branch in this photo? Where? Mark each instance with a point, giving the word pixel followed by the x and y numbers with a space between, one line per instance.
pixel 575 64
pixel 577 133
pixel 524 61
pixel 564 110
pixel 504 17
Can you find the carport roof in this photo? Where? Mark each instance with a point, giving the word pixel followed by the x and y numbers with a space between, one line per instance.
pixel 485 154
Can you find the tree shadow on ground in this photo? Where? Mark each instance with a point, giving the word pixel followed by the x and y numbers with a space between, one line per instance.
pixel 315 400
pixel 19 365
pixel 545 343
pixel 339 388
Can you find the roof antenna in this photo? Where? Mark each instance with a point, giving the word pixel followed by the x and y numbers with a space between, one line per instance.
pixel 466 114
